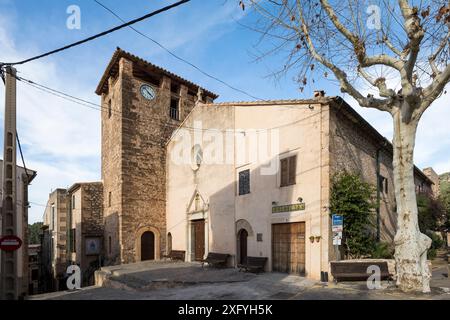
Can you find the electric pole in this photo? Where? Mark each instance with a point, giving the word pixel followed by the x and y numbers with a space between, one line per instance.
pixel 9 259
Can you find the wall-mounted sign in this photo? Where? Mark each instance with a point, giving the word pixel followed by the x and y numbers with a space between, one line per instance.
pixel 10 243
pixel 288 208
pixel 337 238
pixel 337 222
pixel 92 246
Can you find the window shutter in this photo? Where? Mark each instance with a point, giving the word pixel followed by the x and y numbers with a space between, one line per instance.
pixel 284 172
pixel 292 169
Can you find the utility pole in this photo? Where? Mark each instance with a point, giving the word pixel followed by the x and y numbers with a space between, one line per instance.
pixel 9 259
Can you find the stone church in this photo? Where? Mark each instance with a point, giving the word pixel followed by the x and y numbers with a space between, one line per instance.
pixel 142 104
pixel 151 204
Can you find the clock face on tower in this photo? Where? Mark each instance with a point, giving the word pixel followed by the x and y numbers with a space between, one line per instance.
pixel 148 92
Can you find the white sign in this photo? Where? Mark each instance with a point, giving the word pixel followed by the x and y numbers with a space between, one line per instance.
pixel 337 238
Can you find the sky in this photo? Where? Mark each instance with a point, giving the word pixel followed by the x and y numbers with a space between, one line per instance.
pixel 61 140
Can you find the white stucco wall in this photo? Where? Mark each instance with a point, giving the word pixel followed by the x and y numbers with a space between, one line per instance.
pixel 300 130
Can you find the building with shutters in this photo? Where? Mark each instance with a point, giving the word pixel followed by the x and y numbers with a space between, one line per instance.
pixel 253 179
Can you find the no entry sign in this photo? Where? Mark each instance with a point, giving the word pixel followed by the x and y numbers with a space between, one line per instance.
pixel 10 243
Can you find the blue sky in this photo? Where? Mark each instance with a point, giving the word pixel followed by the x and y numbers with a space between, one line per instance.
pixel 61 140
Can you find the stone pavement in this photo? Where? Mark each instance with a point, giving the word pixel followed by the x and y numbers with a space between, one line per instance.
pixel 175 281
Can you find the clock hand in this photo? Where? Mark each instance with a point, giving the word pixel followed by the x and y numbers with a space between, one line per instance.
pixel 149 92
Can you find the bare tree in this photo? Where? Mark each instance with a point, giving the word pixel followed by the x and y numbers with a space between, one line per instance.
pixel 388 55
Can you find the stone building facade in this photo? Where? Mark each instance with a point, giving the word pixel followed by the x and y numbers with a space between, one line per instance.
pixel 142 105
pixel 85 232
pixel 355 146
pixel 272 201
pixel 433 176
pixel 55 220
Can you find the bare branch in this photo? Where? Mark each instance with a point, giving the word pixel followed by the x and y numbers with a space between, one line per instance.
pixel 434 90
pixel 432 58
pixel 341 76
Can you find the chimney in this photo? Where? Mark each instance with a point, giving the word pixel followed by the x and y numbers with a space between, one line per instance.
pixel 319 94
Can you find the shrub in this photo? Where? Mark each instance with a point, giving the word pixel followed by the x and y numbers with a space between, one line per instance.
pixel 352 198
pixel 383 250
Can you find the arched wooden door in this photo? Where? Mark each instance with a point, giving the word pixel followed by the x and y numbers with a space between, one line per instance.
pixel 243 234
pixel 147 246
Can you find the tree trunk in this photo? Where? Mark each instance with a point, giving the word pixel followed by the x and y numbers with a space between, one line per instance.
pixel 411 245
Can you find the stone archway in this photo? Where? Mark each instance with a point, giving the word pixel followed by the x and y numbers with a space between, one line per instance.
pixel 243 231
pixel 242 239
pixel 147 233
pixel 147 246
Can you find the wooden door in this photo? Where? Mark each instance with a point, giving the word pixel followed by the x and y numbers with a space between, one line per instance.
pixel 147 246
pixel 288 247
pixel 199 239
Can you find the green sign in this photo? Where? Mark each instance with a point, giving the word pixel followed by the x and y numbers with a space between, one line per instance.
pixel 289 208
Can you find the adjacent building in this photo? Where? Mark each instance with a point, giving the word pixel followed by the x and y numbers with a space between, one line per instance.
pixel 34 268
pixel 72 233
pixel 55 245
pixel 85 228
pixel 23 179
pixel 254 179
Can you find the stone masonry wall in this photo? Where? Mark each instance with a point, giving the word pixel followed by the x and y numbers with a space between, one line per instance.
pixel 353 150
pixel 112 170
pixel 92 203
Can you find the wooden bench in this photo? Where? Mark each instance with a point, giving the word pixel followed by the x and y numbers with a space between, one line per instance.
pixel 176 255
pixel 216 259
pixel 253 264
pixel 358 270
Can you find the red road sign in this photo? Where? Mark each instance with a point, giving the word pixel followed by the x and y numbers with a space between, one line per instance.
pixel 10 243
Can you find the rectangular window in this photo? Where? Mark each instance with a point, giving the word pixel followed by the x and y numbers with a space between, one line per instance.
pixel 244 182
pixel 288 171
pixel 73 233
pixel 109 199
pixel 53 216
pixel 109 109
pixel 383 184
pixel 34 274
pixel 174 108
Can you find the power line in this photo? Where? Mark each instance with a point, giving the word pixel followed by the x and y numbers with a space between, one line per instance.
pixel 177 56
pixel 23 160
pixel 97 107
pixel 101 34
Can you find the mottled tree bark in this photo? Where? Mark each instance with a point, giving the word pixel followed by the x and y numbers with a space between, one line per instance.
pixel 411 245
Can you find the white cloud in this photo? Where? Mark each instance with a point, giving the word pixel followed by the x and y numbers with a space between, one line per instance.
pixel 61 140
